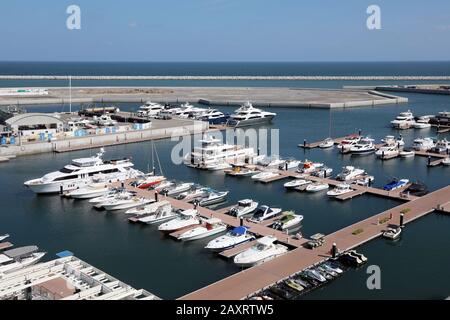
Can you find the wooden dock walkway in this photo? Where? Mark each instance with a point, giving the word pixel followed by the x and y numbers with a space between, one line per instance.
pixel 316 144
pixel 350 195
pixel 245 283
pixel 236 250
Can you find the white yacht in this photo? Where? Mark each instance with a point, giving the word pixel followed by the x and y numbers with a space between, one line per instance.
pixel 265 175
pixel 90 191
pixel 233 238
pixel 349 173
pixel 289 220
pixel 78 174
pixel 364 146
pixel 296 183
pixel 387 151
pixel 308 166
pixel 150 208
pixel 150 109
pixel 124 204
pixel 289 164
pixel 404 120
pixel 243 207
pixel 390 140
pixel 182 187
pixel 316 187
pixel 441 146
pixel 327 143
pixel 16 259
pixel 213 197
pixel 264 213
pixel 163 213
pixel 212 151
pixel 264 250
pixel 208 228
pixel 115 193
pixel 423 144
pixel 186 219
pixel 339 190
pixel 248 115
pixel 189 111
pixel 347 143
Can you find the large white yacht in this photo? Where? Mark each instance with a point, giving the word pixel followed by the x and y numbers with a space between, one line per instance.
pixel 78 174
pixel 423 144
pixel 404 120
pixel 349 173
pixel 189 111
pixel 212 151
pixel 150 109
pixel 248 115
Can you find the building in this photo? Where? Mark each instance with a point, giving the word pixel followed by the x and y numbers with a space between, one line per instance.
pixel 35 125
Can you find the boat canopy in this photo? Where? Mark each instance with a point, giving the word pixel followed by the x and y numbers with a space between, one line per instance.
pixel 267 240
pixel 4 259
pixel 22 251
pixel 239 230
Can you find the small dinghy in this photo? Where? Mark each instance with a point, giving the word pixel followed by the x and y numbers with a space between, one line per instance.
pixel 392 233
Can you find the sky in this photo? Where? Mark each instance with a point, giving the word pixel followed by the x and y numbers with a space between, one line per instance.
pixel 224 30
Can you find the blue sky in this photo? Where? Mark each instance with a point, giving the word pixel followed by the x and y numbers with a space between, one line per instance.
pixel 224 30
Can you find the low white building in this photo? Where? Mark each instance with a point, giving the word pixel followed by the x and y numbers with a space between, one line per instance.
pixel 35 124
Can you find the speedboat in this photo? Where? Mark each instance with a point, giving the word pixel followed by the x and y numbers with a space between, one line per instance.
pixel 417 189
pixel 186 219
pixel 208 228
pixel 364 181
pixel 387 151
pixel 347 143
pixel 332 267
pixel 349 173
pixel 150 181
pixel 163 185
pixel 316 187
pixel 406 153
pixel 240 171
pixel 192 195
pixel 90 191
pixel 248 115
pixel 4 237
pixel 243 208
pixel 296 183
pixel 340 189
pixel 214 116
pixel 264 213
pixel 289 220
pixel 314 274
pixel 265 175
pixel 392 141
pixel 182 187
pixel 363 147
pixel 395 184
pixel 78 174
pixel 392 233
pixel 147 209
pixel 421 125
pixel 308 166
pixel 276 162
pixel 294 285
pixel 163 213
pixel 150 109
pixel 19 258
pixel 233 238
pixel 123 204
pixel 442 146
pixel 111 195
pixel 213 198
pixel 327 143
pixel 423 144
pixel 264 250
pixel 446 161
pixel 323 172
pixel 289 164
pixel 404 120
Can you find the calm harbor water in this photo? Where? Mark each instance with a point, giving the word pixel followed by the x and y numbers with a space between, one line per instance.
pixel 141 256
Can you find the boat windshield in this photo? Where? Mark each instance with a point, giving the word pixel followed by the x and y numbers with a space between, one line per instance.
pixel 259 213
pixel 67 170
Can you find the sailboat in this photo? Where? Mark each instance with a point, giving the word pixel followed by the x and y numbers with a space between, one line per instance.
pixel 328 142
pixel 150 178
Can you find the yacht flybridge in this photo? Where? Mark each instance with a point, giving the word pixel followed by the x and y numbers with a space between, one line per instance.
pixel 404 120
pixel 80 173
pixel 248 115
pixel 212 152
pixel 150 109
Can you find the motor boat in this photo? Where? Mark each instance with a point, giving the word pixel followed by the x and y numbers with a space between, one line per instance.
pixel 347 143
pixel 340 189
pixel 211 151
pixel 264 250
pixel 332 267
pixel 123 204
pixel 276 162
pixel 187 110
pixel 349 173
pixel 406 153
pixel 90 191
pixel 314 274
pixel 421 125
pixel 289 164
pixel 248 115
pixel 78 174
pixel 264 175
pixel 186 219
pixel 192 195
pixel 289 220
pixel 163 213
pixel 308 166
pixel 294 285
pixel 417 189
pixel 208 228
pixel 364 181
pixel 149 181
pixel 392 141
pixel 214 116
pixel 387 152
pixel 147 209
pixel 219 165
pixel 392 233
pixel 363 147
pixel 441 146
pixel 243 207
pixel 316 187
pixel 4 237
pixel 105 120
pixel 395 184
pixel 263 213
pixel 327 143
pixel 404 120
pixel 324 172
pixel 213 198
pixel 19 258
pixel 114 193
pixel 179 188
pixel 234 237
pixel 296 183
pixel 163 185
pixel 150 109
pixel 240 171
pixel 446 161
pixel 423 144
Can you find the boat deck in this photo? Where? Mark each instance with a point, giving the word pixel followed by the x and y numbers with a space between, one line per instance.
pixel 243 284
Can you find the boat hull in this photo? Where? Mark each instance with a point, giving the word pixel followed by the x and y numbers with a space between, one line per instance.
pixel 250 122
pixel 209 233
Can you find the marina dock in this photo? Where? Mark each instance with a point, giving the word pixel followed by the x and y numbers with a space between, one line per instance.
pixel 316 144
pixel 243 284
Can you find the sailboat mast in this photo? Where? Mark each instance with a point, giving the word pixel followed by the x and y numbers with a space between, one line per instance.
pixel 70 93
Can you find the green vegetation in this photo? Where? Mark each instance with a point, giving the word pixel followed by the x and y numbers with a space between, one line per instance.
pixel 357 231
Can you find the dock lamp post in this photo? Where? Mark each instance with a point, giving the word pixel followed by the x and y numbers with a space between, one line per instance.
pixel 402 216
pixel 156 196
pixel 334 250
